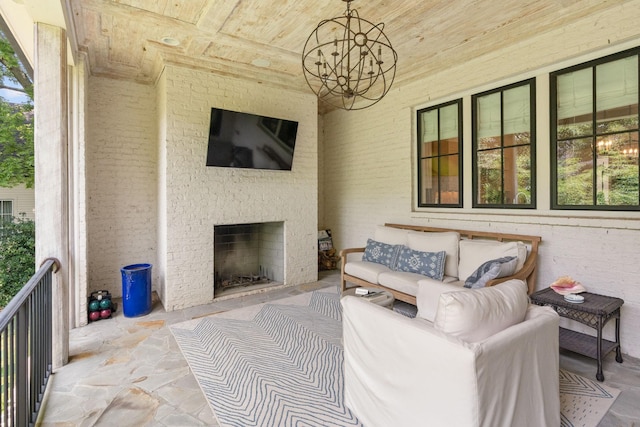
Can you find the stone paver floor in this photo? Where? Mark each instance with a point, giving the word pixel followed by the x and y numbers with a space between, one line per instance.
pixel 130 371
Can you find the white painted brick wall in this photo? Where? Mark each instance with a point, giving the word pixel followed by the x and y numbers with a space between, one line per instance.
pixel 369 166
pixel 121 158
pixel 199 197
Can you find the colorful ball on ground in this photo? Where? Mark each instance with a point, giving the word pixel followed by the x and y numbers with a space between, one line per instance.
pixel 105 313
pixel 94 305
pixel 94 315
pixel 105 303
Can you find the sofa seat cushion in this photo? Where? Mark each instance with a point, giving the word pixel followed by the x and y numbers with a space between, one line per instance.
pixel 401 281
pixel 435 242
pixel 477 314
pixel 474 253
pixel 428 297
pixel 365 270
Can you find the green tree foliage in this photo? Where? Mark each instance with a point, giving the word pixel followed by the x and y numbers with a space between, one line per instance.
pixel 16 145
pixel 17 256
pixel 586 170
pixel 16 122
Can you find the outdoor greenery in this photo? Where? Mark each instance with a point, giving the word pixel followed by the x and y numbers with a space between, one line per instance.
pixel 16 122
pixel 17 256
pixel 17 235
pixel 615 180
pixel 492 172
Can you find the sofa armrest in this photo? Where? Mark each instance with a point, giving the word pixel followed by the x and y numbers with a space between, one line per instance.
pixel 526 273
pixel 522 360
pixel 344 254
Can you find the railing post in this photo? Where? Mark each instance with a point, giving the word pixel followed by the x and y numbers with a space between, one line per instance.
pixel 22 382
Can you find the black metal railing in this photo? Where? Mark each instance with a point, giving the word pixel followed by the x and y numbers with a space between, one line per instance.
pixel 25 348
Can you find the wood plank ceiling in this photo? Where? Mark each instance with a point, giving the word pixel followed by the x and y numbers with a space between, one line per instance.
pixel 123 38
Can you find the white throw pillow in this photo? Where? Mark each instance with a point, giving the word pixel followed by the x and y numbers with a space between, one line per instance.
pixel 477 314
pixel 435 242
pixel 390 235
pixel 474 253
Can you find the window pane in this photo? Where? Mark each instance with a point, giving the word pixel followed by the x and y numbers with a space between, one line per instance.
pixel 429 137
pixel 489 127
pixel 517 175
pixel 429 125
pixel 6 211
pixel 575 172
pixel 575 104
pixel 523 138
pixel 617 95
pixel 428 149
pixel 449 180
pixel 449 146
pixel 7 207
pixel 429 184
pixel 516 110
pixel 449 121
pixel 617 171
pixel 489 178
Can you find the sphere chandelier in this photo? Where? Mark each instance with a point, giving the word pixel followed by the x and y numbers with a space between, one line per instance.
pixel 349 62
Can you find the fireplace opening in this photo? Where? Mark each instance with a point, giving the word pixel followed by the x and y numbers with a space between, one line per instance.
pixel 247 257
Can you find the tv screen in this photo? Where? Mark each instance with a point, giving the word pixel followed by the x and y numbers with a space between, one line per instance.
pixel 243 140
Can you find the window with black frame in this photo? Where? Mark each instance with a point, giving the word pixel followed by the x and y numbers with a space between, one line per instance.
pixel 440 155
pixel 504 147
pixel 594 134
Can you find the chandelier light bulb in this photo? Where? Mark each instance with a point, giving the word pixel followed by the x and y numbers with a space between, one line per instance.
pixel 349 62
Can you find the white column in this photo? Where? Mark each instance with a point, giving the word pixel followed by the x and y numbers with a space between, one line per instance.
pixel 78 196
pixel 51 174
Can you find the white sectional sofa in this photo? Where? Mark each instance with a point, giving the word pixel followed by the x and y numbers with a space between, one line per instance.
pixel 485 358
pixel 402 258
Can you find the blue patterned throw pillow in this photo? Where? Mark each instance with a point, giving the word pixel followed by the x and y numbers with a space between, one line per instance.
pixel 381 253
pixel 430 264
pixel 492 269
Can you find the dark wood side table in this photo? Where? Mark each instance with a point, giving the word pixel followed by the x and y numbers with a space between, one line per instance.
pixel 595 311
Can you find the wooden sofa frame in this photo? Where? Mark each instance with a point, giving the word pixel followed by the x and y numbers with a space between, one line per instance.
pixel 526 273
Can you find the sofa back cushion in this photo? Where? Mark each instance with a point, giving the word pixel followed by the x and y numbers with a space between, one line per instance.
pixel 474 253
pixel 390 235
pixel 435 242
pixel 476 314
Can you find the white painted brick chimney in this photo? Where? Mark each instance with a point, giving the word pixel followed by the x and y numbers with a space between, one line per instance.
pixel 193 198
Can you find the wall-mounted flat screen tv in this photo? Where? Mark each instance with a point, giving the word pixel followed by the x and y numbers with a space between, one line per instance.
pixel 242 140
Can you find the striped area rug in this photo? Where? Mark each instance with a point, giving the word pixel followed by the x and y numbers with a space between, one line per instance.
pixel 274 364
pixel 280 364
pixel 583 402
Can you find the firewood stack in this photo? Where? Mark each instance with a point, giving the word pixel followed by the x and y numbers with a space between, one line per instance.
pixel 327 260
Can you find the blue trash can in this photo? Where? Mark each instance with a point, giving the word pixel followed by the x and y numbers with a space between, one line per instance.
pixel 136 290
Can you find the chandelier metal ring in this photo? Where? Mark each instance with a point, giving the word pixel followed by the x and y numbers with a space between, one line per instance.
pixel 348 62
